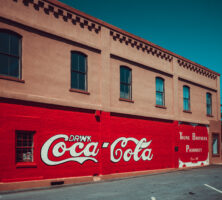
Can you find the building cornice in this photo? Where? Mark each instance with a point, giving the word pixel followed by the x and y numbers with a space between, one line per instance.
pixel 196 68
pixel 127 40
pixel 59 11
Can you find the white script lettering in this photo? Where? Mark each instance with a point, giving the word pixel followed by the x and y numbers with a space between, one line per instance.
pixel 117 154
pixel 88 151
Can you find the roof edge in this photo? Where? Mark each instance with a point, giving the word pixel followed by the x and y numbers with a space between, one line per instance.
pixel 114 28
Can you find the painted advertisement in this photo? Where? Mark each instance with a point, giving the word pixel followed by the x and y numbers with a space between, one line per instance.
pixel 62 148
pixel 193 145
pixel 74 143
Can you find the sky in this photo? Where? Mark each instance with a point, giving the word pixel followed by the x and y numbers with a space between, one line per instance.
pixel 190 28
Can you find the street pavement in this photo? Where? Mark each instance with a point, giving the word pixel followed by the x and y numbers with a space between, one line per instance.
pixel 201 183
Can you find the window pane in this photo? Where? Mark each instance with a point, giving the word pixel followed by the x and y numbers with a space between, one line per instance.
pixel 209 111
pixel 18 155
pixel 19 143
pixel 4 60
pixel 4 42
pixel 74 61
pixel 14 45
pixel 74 80
pixel 128 76
pixel 159 85
pixel 122 75
pixel 186 105
pixel 81 81
pixel 127 92
pixel 159 99
pixel 14 67
pixel 122 91
pixel 29 143
pixel 82 63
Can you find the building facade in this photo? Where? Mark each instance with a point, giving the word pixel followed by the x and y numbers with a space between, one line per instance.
pixel 82 98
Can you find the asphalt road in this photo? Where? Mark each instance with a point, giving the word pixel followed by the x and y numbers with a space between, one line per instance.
pixel 202 183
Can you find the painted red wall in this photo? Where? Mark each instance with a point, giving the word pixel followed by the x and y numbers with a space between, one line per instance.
pixel 150 143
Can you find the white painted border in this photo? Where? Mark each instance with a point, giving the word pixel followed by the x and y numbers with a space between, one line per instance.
pixel 196 164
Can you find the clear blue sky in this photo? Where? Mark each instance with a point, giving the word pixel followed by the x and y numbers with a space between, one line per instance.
pixel 190 28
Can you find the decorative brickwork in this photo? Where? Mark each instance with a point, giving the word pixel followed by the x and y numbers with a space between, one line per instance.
pixel 140 45
pixel 197 69
pixel 61 13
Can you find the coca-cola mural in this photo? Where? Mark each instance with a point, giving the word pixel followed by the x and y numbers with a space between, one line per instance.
pixel 74 143
pixel 80 148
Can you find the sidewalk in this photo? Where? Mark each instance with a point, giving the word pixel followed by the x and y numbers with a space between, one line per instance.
pixel 61 182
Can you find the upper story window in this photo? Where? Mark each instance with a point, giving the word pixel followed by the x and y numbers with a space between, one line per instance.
pixel 209 103
pixel 10 54
pixel 186 98
pixel 125 83
pixel 78 71
pixel 160 93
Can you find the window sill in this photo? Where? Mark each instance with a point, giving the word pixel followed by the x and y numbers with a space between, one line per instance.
pixel 79 91
pixel 11 79
pixel 127 100
pixel 210 116
pixel 215 155
pixel 159 106
pixel 187 111
pixel 26 164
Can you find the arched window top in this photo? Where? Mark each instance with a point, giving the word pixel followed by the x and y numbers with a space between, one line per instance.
pixel 160 78
pixel 126 67
pixel 79 53
pixel 186 86
pixel 10 53
pixel 10 32
pixel 209 94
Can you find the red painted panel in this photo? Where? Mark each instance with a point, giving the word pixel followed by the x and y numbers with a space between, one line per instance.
pixel 74 142
pixel 159 152
pixel 193 143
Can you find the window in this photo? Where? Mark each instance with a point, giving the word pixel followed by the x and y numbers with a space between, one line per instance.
pixel 125 83
pixel 215 145
pixel 209 104
pixel 160 96
pixel 78 71
pixel 186 98
pixel 24 146
pixel 10 54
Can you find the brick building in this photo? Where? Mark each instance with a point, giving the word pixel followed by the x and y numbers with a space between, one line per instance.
pixel 80 98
